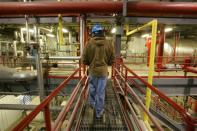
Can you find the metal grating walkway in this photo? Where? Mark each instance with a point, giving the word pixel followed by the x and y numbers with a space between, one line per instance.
pixel 112 118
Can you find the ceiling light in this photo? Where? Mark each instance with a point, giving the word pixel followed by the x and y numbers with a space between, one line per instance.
pixel 50 35
pixel 113 31
pixel 30 30
pixel 145 36
pixel 65 30
pixel 168 29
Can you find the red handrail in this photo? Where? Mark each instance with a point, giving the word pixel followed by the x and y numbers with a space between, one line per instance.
pixel 44 105
pixel 78 103
pixel 139 101
pixel 189 120
pixel 161 105
pixel 64 111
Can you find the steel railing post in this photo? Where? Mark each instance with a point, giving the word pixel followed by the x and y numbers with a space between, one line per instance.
pixel 47 117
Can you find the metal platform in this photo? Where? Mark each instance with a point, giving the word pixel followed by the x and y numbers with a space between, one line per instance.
pixel 110 121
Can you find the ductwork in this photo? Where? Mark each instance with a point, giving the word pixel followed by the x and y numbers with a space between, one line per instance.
pixel 158 9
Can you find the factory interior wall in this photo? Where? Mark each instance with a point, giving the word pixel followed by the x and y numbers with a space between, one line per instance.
pixel 185 46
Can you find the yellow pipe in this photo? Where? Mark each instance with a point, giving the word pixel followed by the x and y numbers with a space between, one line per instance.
pixel 127 28
pixel 60 26
pixel 152 23
pixel 148 126
pixel 137 29
pixel 151 65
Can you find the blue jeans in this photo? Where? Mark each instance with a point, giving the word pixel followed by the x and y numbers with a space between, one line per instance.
pixel 97 93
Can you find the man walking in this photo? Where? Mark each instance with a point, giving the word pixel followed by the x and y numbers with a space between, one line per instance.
pixel 98 55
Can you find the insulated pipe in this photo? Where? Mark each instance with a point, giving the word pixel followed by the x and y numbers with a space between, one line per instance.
pixel 25 107
pixel 175 9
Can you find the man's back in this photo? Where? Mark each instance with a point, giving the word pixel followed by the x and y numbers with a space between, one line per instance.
pixel 98 54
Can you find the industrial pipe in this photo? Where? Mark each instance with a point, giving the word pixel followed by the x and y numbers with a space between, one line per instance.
pixel 191 69
pixel 25 107
pixel 175 9
pixel 160 48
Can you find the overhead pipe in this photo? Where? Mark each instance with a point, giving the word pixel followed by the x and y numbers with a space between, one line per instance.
pixel 175 9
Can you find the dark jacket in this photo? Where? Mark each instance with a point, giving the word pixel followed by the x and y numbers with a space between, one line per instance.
pixel 98 55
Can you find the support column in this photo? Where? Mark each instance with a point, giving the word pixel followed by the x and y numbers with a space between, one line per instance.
pixel 36 49
pixel 118 45
pixel 119 32
pixel 39 75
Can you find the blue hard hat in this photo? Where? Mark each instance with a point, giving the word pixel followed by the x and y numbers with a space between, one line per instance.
pixel 96 28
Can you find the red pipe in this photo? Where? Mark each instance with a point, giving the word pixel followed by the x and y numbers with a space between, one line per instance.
pixel 176 40
pixel 11 8
pixel 191 69
pixel 175 9
pixel 160 48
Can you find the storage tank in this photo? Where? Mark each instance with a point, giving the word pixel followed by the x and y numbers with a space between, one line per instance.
pixel 185 48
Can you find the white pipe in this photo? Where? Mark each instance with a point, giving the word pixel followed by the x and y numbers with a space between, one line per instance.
pixel 82 28
pixel 22 38
pixel 27 29
pixel 15 48
pixel 69 37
